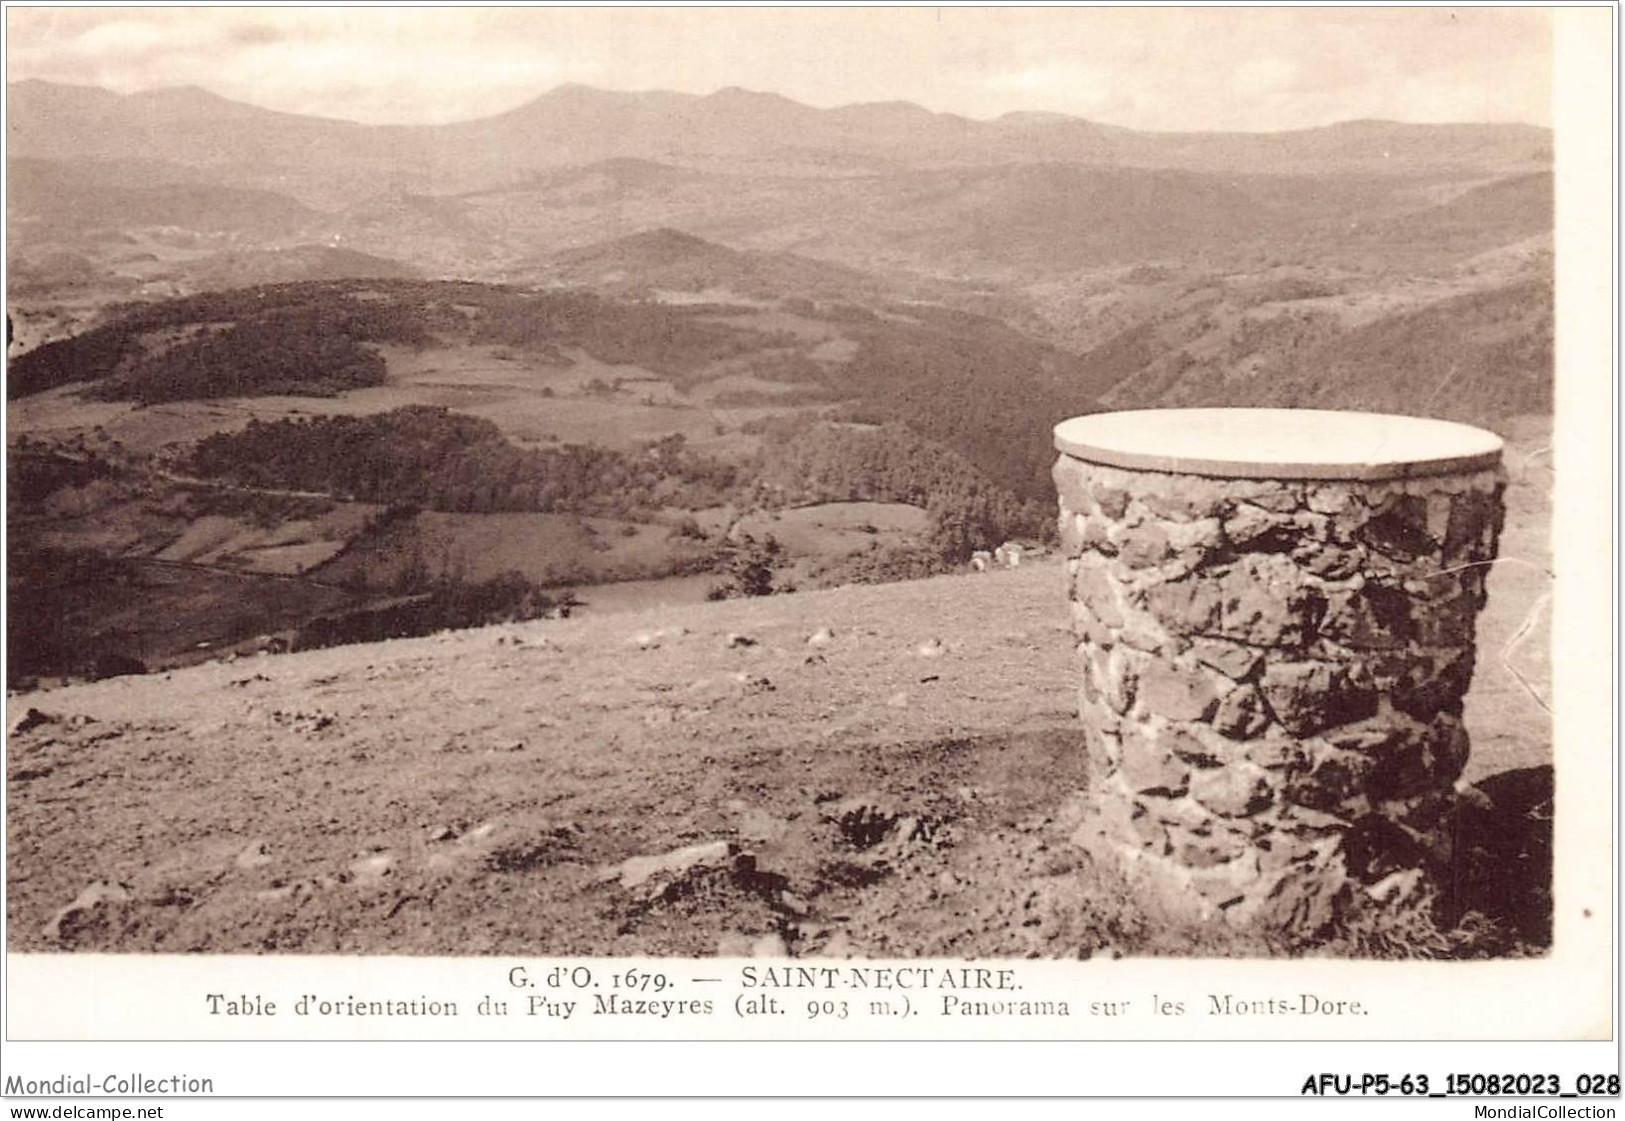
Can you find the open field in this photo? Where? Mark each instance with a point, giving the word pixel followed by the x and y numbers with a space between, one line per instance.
pixel 550 549
pixel 834 529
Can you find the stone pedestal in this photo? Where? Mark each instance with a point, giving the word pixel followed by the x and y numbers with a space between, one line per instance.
pixel 1274 615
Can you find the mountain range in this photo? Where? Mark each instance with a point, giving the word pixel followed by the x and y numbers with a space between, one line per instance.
pixel 1185 265
pixel 325 162
pixel 1027 218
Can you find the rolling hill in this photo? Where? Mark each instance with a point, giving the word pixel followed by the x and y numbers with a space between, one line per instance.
pixel 915 199
pixel 1479 352
pixel 924 367
pixel 86 197
pixel 248 268
pixel 666 259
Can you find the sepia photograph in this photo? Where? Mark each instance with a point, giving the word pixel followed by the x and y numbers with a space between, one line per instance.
pixel 800 485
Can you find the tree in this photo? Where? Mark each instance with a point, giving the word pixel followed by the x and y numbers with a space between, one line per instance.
pixel 960 526
pixel 751 564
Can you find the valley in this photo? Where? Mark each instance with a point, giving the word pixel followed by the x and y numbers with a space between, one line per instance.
pixel 467 485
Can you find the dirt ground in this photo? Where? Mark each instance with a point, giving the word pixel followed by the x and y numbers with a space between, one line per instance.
pixel 868 771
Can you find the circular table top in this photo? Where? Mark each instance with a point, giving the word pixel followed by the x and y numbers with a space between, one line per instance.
pixel 1278 443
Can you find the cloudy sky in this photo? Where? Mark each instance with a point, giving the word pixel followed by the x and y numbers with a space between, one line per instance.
pixel 1247 69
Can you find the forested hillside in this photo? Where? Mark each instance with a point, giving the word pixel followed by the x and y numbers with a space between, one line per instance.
pixel 433 458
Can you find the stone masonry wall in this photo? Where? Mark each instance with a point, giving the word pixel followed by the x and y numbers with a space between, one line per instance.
pixel 1272 678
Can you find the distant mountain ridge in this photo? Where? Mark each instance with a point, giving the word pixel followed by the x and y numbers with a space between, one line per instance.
pixel 320 160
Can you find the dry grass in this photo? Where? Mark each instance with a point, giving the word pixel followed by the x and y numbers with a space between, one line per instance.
pixel 638 734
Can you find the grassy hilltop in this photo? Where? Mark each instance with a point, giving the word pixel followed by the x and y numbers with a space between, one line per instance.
pixel 888 770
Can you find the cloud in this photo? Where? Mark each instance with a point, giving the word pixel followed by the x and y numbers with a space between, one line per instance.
pixel 1257 77
pixel 351 63
pixel 444 83
pixel 1078 85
